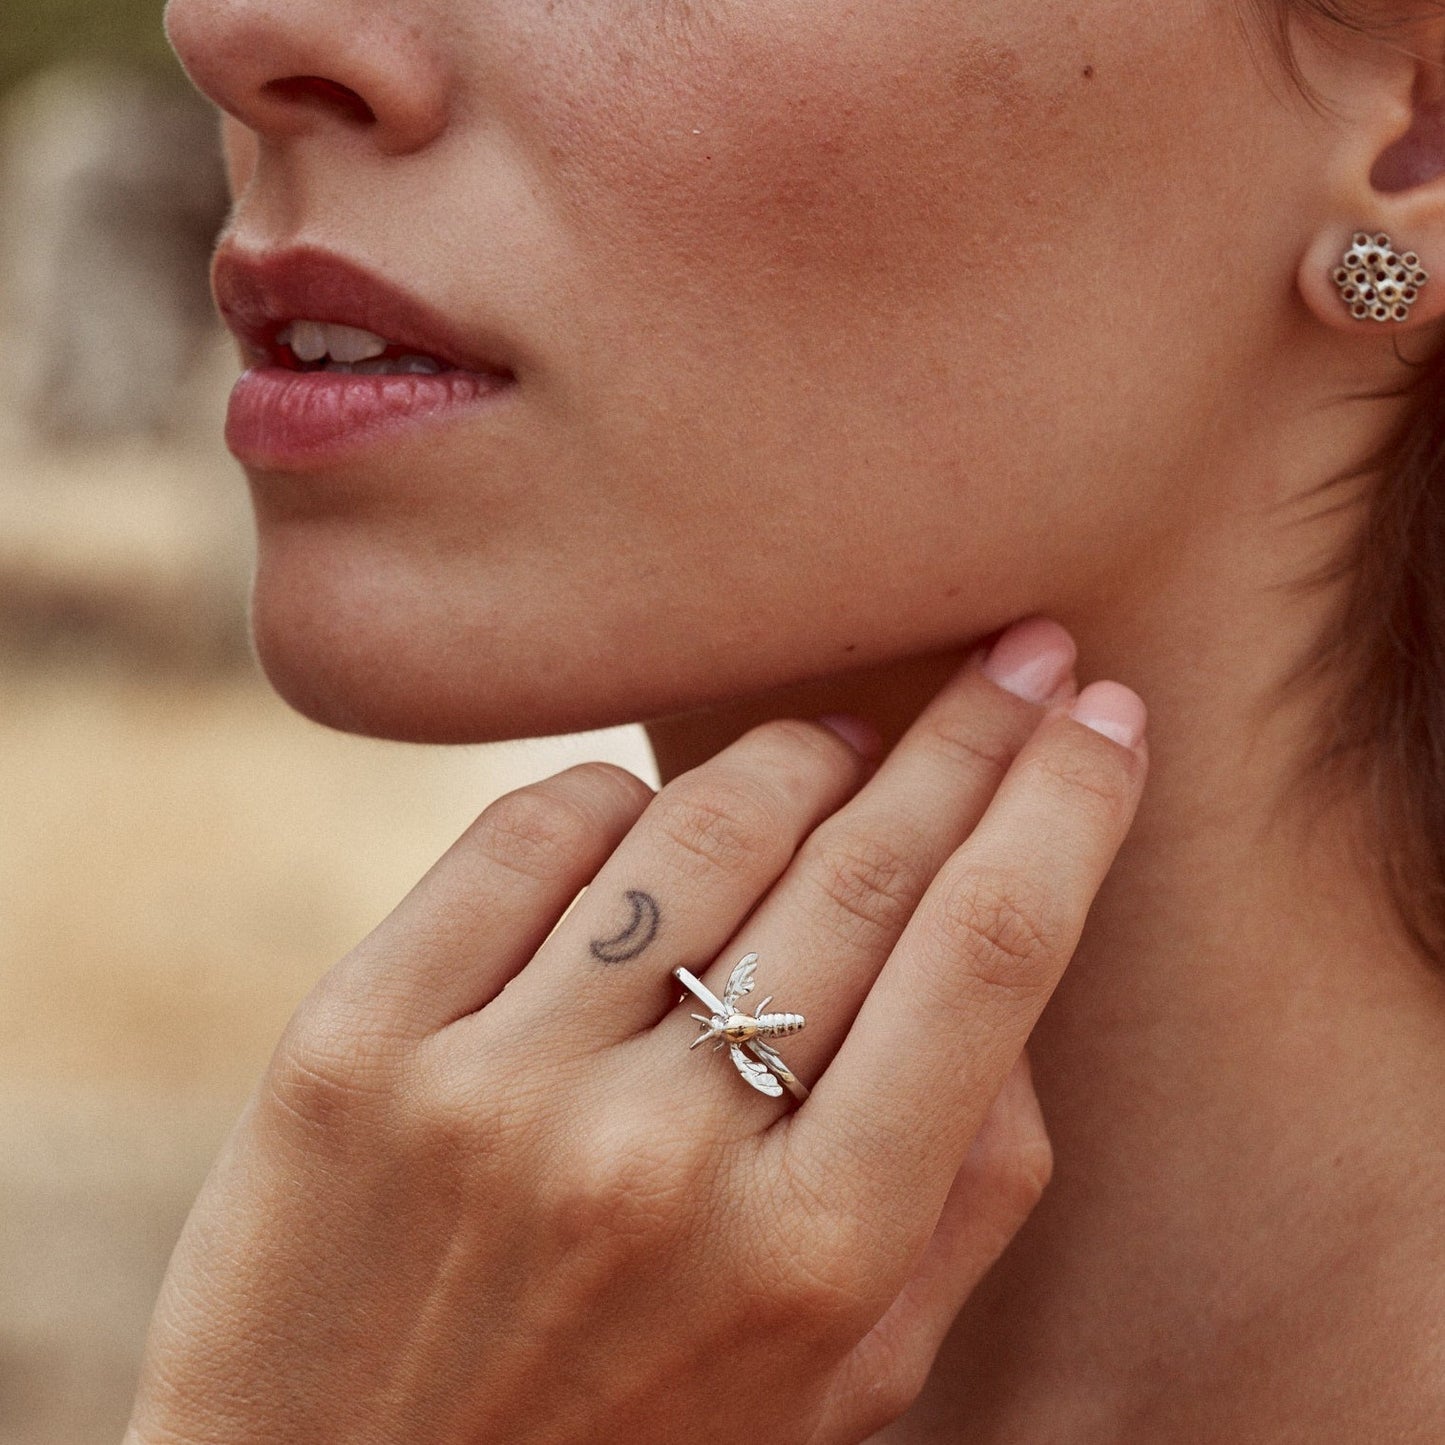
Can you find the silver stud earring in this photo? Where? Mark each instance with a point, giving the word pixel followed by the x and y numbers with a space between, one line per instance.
pixel 1376 283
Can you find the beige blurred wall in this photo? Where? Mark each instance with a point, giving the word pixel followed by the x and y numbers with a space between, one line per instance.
pixel 180 856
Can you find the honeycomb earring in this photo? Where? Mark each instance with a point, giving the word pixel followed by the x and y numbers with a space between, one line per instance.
pixel 1377 283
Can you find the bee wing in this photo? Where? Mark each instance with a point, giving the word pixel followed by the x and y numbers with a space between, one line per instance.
pixel 740 981
pixel 755 1073
pixel 770 1058
pixel 768 1055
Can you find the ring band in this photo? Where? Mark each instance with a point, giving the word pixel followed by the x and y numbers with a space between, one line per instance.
pixel 726 1023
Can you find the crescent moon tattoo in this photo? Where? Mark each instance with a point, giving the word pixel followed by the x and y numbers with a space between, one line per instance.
pixel 638 934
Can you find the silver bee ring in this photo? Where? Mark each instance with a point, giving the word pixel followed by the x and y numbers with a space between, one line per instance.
pixel 726 1023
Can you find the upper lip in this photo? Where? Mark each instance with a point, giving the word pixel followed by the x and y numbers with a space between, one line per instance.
pixel 260 292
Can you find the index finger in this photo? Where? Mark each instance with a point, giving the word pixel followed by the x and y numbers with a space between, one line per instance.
pixel 963 988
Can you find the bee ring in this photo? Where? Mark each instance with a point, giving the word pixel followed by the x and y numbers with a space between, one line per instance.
pixel 728 1024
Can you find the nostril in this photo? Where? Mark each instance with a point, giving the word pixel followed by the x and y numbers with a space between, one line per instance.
pixel 317 90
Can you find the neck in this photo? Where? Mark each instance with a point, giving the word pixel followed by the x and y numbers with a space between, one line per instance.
pixel 1241 1070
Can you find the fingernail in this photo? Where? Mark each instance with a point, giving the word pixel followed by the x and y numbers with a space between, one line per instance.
pixel 1031 659
pixel 1112 709
pixel 862 737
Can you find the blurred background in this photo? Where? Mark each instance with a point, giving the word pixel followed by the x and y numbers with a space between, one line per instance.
pixel 180 856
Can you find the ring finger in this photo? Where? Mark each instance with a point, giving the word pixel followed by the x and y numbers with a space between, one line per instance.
pixel 824 932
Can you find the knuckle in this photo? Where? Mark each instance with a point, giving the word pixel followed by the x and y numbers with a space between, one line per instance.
pixel 627 1185
pixel 327 1073
pixel 829 1289
pixel 1008 1184
pixel 1033 1169
pixel 873 885
pixel 532 831
pixel 477 1113
pixel 468 1110
pixel 1095 780
pixel 720 822
pixel 793 735
pixel 614 785
pixel 1006 931
pixel 967 740
pixel 900 1382
pixel 1016 1178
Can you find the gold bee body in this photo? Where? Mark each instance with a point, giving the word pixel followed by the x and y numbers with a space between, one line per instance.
pixel 736 1029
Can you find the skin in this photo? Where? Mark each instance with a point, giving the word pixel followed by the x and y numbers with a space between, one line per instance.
pixel 452 1210
pixel 784 234
pixel 845 337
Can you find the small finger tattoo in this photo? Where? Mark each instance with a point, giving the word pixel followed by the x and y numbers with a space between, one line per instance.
pixel 638 934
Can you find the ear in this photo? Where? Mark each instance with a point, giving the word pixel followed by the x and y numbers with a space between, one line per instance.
pixel 1385 105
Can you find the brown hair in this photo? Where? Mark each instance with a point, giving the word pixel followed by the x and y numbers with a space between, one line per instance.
pixel 1383 654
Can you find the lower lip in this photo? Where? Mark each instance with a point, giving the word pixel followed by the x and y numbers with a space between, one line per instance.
pixel 283 420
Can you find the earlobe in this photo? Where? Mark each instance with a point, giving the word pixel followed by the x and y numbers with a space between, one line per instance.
pixel 1366 280
pixel 1377 282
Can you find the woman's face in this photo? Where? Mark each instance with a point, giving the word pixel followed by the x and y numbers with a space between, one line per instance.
pixel 837 330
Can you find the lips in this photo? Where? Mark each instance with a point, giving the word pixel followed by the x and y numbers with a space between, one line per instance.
pixel 294 409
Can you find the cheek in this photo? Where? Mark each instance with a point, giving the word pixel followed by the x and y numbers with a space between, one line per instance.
pixel 807 141
pixel 821 253
pixel 838 243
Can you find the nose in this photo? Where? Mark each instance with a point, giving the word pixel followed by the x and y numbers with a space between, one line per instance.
pixel 293 68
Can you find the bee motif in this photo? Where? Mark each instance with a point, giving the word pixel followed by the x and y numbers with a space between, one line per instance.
pixel 736 1029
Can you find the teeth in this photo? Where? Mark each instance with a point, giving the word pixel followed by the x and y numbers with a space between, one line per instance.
pixel 397 366
pixel 386 366
pixel 307 339
pixel 311 340
pixel 347 343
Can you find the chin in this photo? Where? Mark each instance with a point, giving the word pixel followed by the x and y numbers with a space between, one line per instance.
pixel 356 645
pixel 413 692
pixel 411 684
pixel 394 655
pixel 367 636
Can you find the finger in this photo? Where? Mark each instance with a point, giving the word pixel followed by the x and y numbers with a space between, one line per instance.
pixel 825 930
pixel 1002 1178
pixel 485 907
pixel 692 868
pixel 960 994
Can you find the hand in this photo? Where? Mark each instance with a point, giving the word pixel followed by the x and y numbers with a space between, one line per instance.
pixel 485 1193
